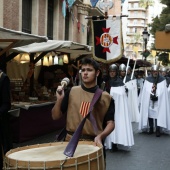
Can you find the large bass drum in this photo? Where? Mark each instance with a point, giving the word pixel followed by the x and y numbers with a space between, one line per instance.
pixel 50 156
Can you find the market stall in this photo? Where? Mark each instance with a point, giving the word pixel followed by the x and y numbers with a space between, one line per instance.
pixel 30 120
pixel 33 85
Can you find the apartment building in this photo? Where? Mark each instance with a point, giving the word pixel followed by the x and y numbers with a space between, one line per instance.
pixel 136 22
pixel 133 26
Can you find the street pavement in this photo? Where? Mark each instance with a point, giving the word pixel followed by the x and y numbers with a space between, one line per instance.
pixel 148 153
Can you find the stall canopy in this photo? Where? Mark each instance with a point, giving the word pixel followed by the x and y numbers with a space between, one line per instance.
pixel 10 39
pixel 59 46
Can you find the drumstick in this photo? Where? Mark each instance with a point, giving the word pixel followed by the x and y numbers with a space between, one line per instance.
pixel 64 82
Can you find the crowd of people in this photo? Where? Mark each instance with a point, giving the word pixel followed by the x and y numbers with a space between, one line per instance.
pixel 140 97
pixel 126 97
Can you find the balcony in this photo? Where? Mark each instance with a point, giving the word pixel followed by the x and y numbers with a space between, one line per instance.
pixel 130 33
pixel 136 17
pixel 136 25
pixel 133 1
pixel 136 9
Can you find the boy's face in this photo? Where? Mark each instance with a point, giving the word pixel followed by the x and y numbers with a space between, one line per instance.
pixel 89 74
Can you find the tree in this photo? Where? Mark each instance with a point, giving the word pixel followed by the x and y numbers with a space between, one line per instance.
pixel 136 39
pixel 164 57
pixel 145 4
pixel 155 25
pixel 166 2
pixel 158 24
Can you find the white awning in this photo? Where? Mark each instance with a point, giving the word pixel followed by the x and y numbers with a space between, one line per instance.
pixel 74 49
pixel 10 38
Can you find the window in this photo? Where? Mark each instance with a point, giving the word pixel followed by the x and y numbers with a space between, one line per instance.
pixel 135 5
pixel 26 16
pixel 133 30
pixel 135 22
pixel 67 25
pixel 50 19
pixel 135 14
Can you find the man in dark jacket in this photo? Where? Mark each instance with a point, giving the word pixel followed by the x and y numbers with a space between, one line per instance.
pixel 5 105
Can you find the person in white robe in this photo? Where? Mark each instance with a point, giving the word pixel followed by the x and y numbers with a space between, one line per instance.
pixel 163 72
pixel 154 103
pixel 132 96
pixel 131 90
pixel 123 133
pixel 140 82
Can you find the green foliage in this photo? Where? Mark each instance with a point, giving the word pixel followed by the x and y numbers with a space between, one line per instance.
pixel 136 38
pixel 164 57
pixel 146 3
pixel 155 25
pixel 158 23
pixel 166 2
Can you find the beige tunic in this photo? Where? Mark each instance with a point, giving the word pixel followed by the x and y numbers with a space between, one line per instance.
pixel 79 103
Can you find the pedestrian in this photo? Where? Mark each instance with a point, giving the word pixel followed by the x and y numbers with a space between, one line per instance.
pixel 163 72
pixel 140 81
pixel 5 105
pixel 122 73
pixel 129 73
pixel 73 101
pixel 122 134
pixel 132 94
pixel 154 103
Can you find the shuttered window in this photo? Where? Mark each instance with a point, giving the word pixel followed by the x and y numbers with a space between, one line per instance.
pixel 50 19
pixel 26 16
pixel 67 25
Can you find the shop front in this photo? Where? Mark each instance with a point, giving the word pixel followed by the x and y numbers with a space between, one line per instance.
pixel 33 85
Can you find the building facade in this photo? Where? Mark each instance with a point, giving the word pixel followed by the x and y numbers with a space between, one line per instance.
pixel 136 22
pixel 133 27
pixel 48 18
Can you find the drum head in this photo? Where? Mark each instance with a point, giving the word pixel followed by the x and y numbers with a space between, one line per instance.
pixel 51 155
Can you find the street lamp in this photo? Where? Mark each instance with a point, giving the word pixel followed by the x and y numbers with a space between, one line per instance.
pixel 145 35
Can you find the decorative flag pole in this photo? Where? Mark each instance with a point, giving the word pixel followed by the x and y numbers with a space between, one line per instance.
pixel 133 70
pixel 105 5
pixel 126 70
pixel 107 37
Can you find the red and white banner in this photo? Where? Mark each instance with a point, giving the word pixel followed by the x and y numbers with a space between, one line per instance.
pixel 107 40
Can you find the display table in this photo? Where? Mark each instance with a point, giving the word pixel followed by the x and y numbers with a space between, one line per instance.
pixel 33 120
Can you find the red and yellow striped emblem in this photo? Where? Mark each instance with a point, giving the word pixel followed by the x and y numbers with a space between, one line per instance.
pixel 106 40
pixel 84 108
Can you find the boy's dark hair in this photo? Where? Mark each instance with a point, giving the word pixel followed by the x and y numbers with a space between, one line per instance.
pixel 90 61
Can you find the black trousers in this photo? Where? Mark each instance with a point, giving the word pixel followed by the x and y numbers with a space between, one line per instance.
pixel 151 124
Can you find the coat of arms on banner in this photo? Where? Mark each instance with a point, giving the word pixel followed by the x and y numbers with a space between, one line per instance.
pixel 107 40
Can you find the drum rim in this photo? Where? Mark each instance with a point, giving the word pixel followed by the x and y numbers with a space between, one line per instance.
pixel 71 161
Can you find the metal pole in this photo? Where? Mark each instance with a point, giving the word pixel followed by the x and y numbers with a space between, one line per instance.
pixel 145 40
pixel 103 17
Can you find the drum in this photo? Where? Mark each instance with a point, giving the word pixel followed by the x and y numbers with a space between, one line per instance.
pixel 50 156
